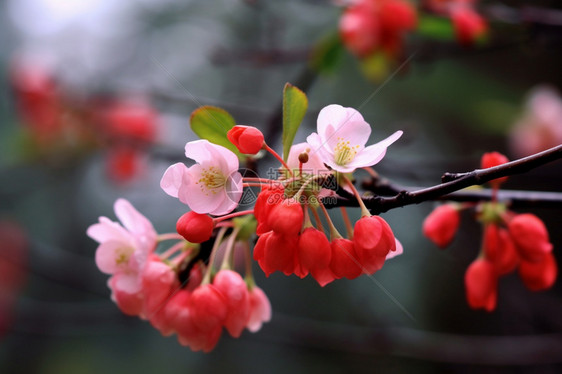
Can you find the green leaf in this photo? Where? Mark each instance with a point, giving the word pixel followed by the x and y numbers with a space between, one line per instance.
pixel 436 28
pixel 327 54
pixel 212 123
pixel 295 104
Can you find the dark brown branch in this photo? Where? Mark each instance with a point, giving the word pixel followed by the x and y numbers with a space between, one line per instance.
pixel 454 182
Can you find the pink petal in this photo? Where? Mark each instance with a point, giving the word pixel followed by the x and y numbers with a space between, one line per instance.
pixel 334 115
pixel 173 178
pixel 197 196
pixel 108 253
pixel 134 221
pixel 260 309
pixel 109 230
pixel 233 193
pixel 314 166
pixel 126 282
pixel 352 131
pixel 374 153
pixel 198 151
pixel 399 250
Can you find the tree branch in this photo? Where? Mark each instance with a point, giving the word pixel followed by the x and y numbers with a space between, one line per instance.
pixel 453 182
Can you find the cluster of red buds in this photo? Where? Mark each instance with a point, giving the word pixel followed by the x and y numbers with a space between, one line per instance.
pixel 510 242
pixel 469 26
pixel 59 125
pixel 368 26
pixel 183 289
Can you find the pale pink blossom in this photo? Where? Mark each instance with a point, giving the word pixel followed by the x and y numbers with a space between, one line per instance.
pixel 341 138
pixel 123 248
pixel 540 127
pixel 313 166
pixel 212 186
pixel 123 252
pixel 260 309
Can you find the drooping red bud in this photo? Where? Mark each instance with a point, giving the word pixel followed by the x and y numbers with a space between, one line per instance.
pixel 286 218
pixel 314 251
pixel 468 25
pixel 530 237
pixel 441 225
pixel 373 239
pixel 541 275
pixel 237 297
pixel 398 16
pixel 344 261
pixel 500 249
pixel 480 282
pixel 268 198
pixel 360 29
pixel 248 139
pixel 195 227
pixel 490 160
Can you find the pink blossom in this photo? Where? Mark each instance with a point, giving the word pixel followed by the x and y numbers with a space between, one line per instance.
pixel 313 166
pixel 123 249
pixel 260 309
pixel 540 127
pixel 123 252
pixel 213 185
pixel 341 138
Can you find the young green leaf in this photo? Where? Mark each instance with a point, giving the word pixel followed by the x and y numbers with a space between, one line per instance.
pixel 295 104
pixel 212 123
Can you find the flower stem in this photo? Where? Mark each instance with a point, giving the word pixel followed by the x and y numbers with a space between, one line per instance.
pixel 364 210
pixel 348 226
pixel 232 215
pixel 218 240
pixel 169 236
pixel 173 249
pixel 229 246
pixel 276 155
pixel 317 219
pixel 334 234
pixel 249 274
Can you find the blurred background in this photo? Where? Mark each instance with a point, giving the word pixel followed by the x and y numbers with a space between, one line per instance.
pixel 96 98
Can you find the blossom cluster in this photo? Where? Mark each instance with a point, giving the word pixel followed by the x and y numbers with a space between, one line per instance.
pixel 62 126
pixel 184 290
pixel 174 290
pixel 510 242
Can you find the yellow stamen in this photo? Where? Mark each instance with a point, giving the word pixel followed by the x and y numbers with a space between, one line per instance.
pixel 344 152
pixel 211 179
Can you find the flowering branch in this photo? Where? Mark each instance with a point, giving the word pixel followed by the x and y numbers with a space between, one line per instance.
pixel 453 182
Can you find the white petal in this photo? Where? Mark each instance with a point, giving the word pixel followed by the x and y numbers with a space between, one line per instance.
pixel 198 151
pixel 374 153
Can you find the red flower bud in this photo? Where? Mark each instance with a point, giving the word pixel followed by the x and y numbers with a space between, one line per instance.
pixel 490 160
pixel 441 225
pixel 373 239
pixel 208 306
pixel 480 282
pixel 530 237
pixel 360 29
pixel 398 16
pixel 268 198
pixel 248 139
pixel 195 227
pixel 468 25
pixel 344 261
pixel 237 297
pixel 500 249
pixel 286 218
pixel 541 275
pixel 276 252
pixel 314 251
